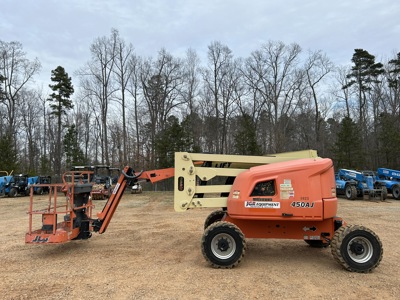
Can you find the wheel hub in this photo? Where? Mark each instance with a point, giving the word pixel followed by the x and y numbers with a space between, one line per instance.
pixel 357 248
pixel 223 244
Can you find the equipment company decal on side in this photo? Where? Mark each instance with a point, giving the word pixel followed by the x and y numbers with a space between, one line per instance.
pixel 261 204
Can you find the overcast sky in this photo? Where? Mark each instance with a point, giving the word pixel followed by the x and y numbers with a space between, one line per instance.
pixel 61 32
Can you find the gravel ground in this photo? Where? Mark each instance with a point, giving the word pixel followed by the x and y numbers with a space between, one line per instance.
pixel 152 252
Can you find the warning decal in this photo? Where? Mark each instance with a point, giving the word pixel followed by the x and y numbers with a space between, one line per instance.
pixel 286 189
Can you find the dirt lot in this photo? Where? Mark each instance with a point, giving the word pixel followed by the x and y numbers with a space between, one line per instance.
pixel 152 252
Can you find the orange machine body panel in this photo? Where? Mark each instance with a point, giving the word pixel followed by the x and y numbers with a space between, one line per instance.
pixel 156 175
pixel 266 200
pixel 287 229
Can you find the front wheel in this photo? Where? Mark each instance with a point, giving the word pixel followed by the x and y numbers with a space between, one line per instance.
pixel 396 191
pixel 357 248
pixel 350 192
pixel 223 245
pixel 384 193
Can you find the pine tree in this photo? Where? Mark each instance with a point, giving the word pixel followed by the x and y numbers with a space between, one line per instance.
pixel 245 137
pixel 9 156
pixel 388 136
pixel 74 154
pixel 170 140
pixel 364 72
pixel 394 79
pixel 348 146
pixel 60 104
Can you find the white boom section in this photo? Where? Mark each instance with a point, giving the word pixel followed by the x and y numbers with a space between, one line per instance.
pixel 205 180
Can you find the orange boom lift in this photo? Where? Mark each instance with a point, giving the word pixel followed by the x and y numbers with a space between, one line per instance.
pixel 282 196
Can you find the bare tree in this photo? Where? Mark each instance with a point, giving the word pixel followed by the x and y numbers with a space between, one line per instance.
pixel 254 72
pixel 317 67
pixel 82 119
pixel 190 90
pixel 207 114
pixel 98 82
pixel 31 130
pixel 342 95
pixel 17 71
pixel 43 142
pixel 217 77
pixel 161 81
pixel 134 88
pixel 123 73
pixel 273 75
pixel 191 95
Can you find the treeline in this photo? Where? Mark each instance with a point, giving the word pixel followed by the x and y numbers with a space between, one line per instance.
pixel 138 111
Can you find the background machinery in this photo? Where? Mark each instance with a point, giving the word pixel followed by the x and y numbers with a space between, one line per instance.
pixel 362 184
pixel 40 184
pixel 136 188
pixel 391 178
pixel 5 178
pixel 102 182
pixel 103 179
pixel 18 185
pixel 289 195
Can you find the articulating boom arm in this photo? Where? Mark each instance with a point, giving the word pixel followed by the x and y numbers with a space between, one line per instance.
pixel 104 217
pixel 156 175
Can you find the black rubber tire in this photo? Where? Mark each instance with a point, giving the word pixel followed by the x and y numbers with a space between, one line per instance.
pixel 350 192
pixel 223 245
pixel 317 243
pixel 215 216
pixel 39 191
pixel 12 193
pixel 384 192
pixel 357 248
pixel 396 191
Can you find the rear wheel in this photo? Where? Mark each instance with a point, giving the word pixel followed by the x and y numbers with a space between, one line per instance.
pixel 357 248
pixel 215 216
pixel 350 192
pixel 223 245
pixel 396 191
pixel 12 192
pixel 39 191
